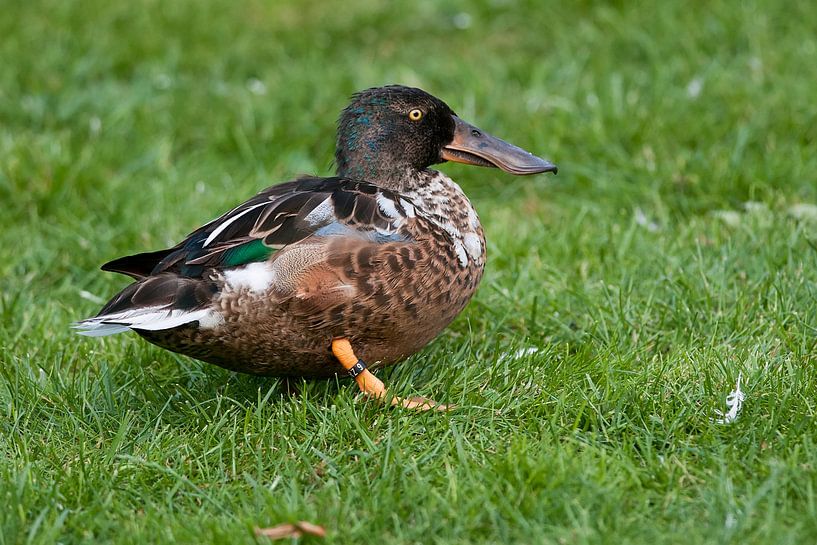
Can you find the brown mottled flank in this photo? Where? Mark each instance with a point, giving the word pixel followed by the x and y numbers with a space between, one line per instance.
pixel 401 297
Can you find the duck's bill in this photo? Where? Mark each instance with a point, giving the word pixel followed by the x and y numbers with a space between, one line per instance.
pixel 475 147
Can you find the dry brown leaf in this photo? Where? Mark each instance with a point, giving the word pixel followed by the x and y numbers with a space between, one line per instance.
pixel 283 531
pixel 311 529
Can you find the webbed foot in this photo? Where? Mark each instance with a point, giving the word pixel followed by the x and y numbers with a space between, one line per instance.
pixel 373 387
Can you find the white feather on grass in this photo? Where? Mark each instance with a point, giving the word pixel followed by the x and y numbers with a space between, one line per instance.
pixel 734 403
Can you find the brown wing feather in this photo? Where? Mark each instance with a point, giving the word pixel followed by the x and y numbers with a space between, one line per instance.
pixel 278 216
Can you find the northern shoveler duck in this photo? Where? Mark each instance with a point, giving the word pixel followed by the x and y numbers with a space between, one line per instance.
pixel 315 276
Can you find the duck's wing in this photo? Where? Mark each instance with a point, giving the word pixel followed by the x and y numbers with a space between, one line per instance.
pixel 176 286
pixel 275 218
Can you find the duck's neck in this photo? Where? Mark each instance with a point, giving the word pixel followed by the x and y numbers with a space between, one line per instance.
pixel 381 172
pixel 436 193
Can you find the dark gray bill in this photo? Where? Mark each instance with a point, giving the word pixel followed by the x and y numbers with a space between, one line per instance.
pixel 474 147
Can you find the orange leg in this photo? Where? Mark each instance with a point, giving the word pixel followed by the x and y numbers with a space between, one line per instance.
pixel 373 386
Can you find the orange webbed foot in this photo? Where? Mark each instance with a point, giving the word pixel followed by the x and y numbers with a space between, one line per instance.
pixel 373 387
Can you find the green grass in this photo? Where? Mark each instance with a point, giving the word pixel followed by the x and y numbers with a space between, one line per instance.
pixel 668 256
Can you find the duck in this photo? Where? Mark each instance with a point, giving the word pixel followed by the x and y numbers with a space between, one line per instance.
pixel 321 276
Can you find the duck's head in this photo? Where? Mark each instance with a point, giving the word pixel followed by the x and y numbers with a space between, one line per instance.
pixel 388 132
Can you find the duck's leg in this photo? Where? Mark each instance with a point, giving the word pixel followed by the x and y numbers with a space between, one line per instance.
pixel 373 386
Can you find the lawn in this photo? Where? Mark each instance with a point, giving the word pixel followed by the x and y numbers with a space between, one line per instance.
pixel 675 252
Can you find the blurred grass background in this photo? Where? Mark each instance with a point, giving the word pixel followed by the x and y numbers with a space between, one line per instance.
pixel 676 248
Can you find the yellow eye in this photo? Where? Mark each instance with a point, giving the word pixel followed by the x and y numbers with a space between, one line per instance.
pixel 416 114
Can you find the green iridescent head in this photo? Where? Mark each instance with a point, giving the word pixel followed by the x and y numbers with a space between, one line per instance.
pixel 391 129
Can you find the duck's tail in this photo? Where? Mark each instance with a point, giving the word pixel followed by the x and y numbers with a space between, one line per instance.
pixel 147 319
pixel 154 303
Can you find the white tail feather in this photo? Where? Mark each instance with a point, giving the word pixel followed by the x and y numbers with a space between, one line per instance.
pixel 98 329
pixel 147 319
